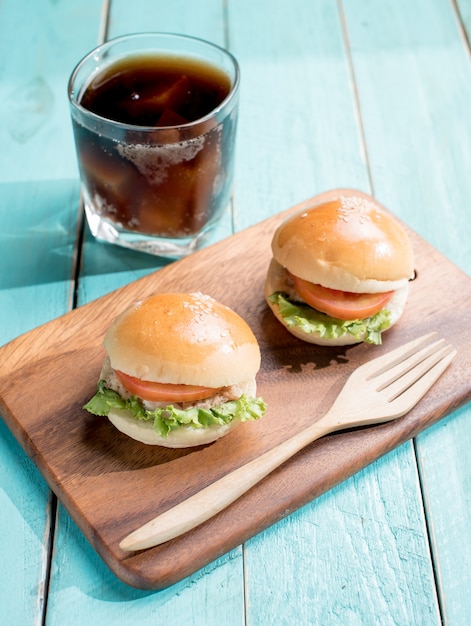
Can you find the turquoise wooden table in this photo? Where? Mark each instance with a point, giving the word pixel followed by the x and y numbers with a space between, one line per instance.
pixel 373 95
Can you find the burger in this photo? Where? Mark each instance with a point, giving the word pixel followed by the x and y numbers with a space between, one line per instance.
pixel 180 371
pixel 340 272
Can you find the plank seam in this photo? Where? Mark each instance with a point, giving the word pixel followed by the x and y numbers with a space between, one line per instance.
pixel 51 525
pixel 104 22
pixel 77 263
pixel 461 26
pixel 428 530
pixel 356 96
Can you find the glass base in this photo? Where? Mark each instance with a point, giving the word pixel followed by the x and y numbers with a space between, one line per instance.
pixel 176 248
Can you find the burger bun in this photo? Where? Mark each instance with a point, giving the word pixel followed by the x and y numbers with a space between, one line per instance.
pixel 179 338
pixel 182 437
pixel 349 243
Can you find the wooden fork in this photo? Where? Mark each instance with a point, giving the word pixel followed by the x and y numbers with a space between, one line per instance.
pixel 378 391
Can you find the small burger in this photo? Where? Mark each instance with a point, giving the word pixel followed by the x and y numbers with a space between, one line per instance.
pixel 180 371
pixel 340 272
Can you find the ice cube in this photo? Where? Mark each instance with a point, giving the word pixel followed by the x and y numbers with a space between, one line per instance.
pixel 147 106
pixel 171 118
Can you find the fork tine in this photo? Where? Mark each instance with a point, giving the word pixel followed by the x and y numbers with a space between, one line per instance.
pixel 400 384
pixel 409 398
pixel 386 377
pixel 380 364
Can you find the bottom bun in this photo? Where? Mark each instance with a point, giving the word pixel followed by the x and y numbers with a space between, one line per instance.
pixel 278 280
pixel 182 437
pixel 315 338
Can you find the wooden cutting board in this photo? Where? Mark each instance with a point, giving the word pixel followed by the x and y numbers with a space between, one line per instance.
pixel 111 484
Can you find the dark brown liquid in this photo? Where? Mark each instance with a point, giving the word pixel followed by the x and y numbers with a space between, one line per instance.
pixel 163 185
pixel 157 91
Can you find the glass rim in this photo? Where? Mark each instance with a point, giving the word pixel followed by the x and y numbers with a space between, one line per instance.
pixel 144 129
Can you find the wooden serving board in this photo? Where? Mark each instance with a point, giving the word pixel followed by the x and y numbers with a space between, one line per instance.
pixel 111 484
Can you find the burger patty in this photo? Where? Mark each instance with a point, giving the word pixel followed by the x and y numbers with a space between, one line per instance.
pixel 224 394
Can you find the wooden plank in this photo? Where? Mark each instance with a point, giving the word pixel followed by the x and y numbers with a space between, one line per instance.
pixel 38 210
pixel 357 521
pixel 463 15
pixel 37 234
pixel 259 195
pixel 92 461
pixel 24 523
pixel 105 268
pixel 415 107
pixel 297 76
pixel 83 587
pixel 443 457
pixel 207 20
pixel 270 187
pixel 299 132
pixel 446 488
pixel 33 87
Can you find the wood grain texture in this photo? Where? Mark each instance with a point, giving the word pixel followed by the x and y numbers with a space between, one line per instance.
pixel 360 553
pixel 391 45
pixel 38 212
pixel 299 130
pixel 353 537
pixel 83 585
pixel 103 269
pixel 412 72
pixel 33 87
pixel 92 463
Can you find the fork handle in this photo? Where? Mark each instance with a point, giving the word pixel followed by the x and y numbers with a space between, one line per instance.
pixel 212 499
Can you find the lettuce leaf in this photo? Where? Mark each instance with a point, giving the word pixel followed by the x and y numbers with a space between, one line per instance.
pixel 311 321
pixel 169 418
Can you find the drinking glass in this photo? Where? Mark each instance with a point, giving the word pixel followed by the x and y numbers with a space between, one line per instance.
pixel 156 173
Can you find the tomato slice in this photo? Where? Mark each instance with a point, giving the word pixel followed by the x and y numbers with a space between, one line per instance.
pixel 343 305
pixel 164 392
